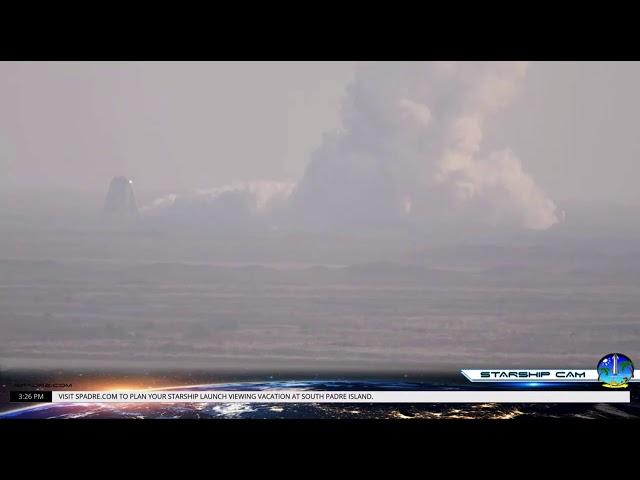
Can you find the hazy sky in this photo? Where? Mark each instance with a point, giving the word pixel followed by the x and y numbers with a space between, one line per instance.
pixel 574 126
pixel 167 125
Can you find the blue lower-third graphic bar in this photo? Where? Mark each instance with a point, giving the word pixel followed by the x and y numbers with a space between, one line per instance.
pixel 297 396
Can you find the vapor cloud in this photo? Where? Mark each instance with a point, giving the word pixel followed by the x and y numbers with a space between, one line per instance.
pixel 228 204
pixel 412 147
pixel 410 150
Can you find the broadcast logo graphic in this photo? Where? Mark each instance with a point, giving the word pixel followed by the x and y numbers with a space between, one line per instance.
pixel 615 370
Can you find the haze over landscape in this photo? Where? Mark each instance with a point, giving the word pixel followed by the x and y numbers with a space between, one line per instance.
pixel 310 216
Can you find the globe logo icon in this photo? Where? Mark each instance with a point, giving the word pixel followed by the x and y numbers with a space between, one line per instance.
pixel 615 370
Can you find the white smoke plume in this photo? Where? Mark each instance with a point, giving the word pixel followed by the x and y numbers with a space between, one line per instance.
pixel 229 204
pixel 412 147
pixel 410 150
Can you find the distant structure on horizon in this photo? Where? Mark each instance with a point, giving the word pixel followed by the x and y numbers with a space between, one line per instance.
pixel 120 203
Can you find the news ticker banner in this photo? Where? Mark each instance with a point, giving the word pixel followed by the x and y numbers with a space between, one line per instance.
pixel 297 396
pixel 526 376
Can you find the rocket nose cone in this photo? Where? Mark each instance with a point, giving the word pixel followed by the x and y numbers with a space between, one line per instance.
pixel 120 200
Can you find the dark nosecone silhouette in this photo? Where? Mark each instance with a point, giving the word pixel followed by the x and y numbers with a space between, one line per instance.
pixel 120 202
